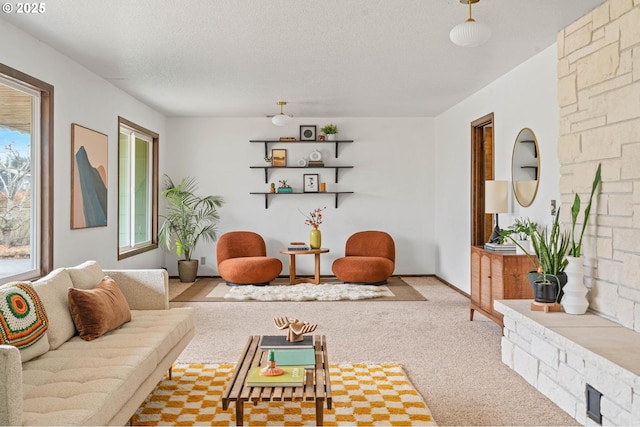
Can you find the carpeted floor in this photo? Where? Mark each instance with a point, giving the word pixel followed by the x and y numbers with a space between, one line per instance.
pixel 214 289
pixel 455 364
pixel 362 395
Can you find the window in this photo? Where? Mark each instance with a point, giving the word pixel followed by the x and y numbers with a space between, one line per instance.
pixel 137 189
pixel 26 193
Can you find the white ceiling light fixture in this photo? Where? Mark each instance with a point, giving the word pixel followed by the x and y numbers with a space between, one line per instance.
pixel 470 33
pixel 281 119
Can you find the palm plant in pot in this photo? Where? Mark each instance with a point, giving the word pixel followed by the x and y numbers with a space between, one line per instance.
pixel 575 300
pixel 189 218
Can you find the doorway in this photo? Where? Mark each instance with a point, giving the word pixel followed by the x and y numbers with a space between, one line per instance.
pixel 482 169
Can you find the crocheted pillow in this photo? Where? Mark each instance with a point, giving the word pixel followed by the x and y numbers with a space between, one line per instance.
pixel 23 321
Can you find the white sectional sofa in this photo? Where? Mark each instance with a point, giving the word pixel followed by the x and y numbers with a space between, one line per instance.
pixel 98 382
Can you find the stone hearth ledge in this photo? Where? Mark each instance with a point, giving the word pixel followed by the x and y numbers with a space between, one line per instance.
pixel 560 353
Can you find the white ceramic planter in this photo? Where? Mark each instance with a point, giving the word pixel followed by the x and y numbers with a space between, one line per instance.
pixel 526 244
pixel 575 299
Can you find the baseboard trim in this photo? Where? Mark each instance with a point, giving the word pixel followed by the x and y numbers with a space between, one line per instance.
pixel 458 290
pixel 444 282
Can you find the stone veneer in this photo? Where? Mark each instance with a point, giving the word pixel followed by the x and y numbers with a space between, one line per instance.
pixel 599 97
pixel 560 353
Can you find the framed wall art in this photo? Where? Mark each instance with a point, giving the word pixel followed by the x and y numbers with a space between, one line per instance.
pixel 307 132
pixel 89 186
pixel 279 157
pixel 310 182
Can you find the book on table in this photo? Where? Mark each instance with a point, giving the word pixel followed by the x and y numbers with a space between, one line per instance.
pixel 498 247
pixel 298 246
pixel 305 357
pixel 280 341
pixel 293 377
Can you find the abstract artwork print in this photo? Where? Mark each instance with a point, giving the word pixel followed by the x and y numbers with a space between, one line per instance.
pixel 88 178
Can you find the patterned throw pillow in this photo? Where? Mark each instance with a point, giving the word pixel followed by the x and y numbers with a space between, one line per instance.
pixel 23 320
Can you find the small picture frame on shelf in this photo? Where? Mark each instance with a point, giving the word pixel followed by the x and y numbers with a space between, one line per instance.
pixel 310 183
pixel 279 157
pixel 307 132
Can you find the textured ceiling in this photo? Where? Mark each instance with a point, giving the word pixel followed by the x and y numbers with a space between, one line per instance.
pixel 337 58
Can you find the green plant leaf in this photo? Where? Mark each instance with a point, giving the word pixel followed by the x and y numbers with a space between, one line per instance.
pixel 189 217
pixel 576 248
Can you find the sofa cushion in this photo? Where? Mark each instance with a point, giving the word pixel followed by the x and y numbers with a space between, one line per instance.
pixel 86 275
pixel 87 382
pixel 23 321
pixel 250 269
pixel 99 310
pixel 52 290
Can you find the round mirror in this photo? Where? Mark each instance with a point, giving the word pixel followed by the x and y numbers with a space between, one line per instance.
pixel 525 167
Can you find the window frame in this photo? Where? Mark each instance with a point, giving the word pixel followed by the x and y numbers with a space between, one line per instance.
pixel 44 217
pixel 153 244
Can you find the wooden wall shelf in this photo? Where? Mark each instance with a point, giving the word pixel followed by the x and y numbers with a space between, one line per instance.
pixel 335 193
pixel 267 168
pixel 266 143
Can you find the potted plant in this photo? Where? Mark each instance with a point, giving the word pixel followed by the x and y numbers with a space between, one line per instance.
pixel 551 249
pixel 330 131
pixel 575 300
pixel 548 277
pixel 189 218
pixel 520 234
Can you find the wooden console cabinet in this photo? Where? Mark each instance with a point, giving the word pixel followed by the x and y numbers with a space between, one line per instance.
pixel 497 275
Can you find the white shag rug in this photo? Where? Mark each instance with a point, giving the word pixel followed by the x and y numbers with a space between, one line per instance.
pixel 307 292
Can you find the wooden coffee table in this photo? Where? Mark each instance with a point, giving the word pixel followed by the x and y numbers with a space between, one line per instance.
pixel 292 264
pixel 317 386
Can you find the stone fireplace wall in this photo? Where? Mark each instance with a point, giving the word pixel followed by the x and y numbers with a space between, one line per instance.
pixel 599 98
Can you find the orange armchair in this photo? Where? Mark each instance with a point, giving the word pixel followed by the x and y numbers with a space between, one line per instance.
pixel 370 258
pixel 242 259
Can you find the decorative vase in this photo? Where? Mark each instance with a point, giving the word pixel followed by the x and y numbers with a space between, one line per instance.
pixel 188 270
pixel 331 137
pixel 315 239
pixel 575 292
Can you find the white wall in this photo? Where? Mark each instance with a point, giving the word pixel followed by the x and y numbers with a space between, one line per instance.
pixel 392 179
pixel 83 98
pixel 524 97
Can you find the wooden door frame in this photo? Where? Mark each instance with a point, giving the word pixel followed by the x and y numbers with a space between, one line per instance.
pixel 482 169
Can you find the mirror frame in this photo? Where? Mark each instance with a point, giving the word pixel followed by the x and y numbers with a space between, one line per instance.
pixel 525 136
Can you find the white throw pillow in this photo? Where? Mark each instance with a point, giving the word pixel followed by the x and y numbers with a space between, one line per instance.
pixel 86 275
pixel 53 289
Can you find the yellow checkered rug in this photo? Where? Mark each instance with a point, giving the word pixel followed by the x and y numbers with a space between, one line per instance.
pixel 362 395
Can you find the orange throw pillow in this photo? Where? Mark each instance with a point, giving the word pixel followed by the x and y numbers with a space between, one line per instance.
pixel 99 310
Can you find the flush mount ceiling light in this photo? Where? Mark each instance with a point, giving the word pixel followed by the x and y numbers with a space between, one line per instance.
pixel 470 33
pixel 281 119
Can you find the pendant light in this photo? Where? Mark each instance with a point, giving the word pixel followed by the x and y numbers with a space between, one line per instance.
pixel 281 119
pixel 470 33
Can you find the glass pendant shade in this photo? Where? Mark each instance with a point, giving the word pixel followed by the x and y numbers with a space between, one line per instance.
pixel 470 34
pixel 281 119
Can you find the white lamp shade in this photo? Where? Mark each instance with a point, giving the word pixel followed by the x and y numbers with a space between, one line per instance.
pixel 496 197
pixel 281 119
pixel 470 34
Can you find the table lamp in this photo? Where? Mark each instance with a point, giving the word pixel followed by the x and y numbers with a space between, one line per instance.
pixel 496 202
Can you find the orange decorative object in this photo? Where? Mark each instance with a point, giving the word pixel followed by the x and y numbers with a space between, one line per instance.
pixel 271 370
